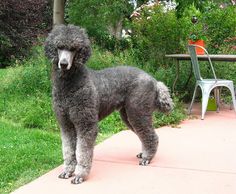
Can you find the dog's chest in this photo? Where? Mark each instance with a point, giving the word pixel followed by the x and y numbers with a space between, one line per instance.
pixel 71 98
pixel 62 101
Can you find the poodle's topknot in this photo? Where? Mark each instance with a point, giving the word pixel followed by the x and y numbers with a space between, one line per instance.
pixel 68 37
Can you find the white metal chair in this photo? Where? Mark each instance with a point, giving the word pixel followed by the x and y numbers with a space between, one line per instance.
pixel 207 85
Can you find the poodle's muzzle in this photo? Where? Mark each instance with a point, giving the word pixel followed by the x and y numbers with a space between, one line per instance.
pixel 65 59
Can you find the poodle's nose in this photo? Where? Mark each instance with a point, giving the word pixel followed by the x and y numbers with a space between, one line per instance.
pixel 65 59
pixel 64 64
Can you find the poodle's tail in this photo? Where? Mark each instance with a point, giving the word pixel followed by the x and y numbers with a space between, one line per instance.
pixel 164 102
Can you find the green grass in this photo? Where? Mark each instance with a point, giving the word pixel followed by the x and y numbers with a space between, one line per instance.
pixel 2 72
pixel 26 154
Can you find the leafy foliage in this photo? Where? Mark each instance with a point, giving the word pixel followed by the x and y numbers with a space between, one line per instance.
pixel 20 24
pixel 103 19
pixel 185 4
pixel 221 26
pixel 156 33
pixel 201 5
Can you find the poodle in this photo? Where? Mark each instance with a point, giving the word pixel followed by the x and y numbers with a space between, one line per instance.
pixel 82 97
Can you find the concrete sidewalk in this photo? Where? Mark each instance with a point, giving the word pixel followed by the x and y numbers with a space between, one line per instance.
pixel 198 157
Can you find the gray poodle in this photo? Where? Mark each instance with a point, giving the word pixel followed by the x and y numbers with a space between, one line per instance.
pixel 82 97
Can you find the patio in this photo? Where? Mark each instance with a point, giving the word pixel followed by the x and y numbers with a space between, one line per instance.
pixel 196 157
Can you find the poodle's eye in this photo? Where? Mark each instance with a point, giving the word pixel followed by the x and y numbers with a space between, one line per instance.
pixel 72 49
pixel 61 47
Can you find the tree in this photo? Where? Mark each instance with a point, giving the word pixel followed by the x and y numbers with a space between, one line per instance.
pixel 199 4
pixel 103 19
pixel 58 12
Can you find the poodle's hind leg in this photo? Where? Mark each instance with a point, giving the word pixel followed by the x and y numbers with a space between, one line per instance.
pixel 68 136
pixel 142 125
pixel 124 118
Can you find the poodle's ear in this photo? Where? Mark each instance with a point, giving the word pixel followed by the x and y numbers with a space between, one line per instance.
pixel 83 54
pixel 81 43
pixel 48 49
pixel 49 45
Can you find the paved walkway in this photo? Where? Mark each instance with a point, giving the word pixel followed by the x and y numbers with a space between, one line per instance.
pixel 197 157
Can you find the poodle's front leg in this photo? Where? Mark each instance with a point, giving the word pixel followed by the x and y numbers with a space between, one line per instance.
pixel 84 153
pixel 68 137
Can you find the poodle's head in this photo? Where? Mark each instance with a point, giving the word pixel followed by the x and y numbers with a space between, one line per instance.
pixel 68 46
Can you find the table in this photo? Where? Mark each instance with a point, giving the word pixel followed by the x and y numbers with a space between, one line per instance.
pixel 186 57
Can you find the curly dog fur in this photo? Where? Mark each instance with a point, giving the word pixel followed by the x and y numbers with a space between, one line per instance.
pixel 82 97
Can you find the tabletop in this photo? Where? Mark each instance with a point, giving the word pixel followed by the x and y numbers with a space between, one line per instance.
pixel 226 58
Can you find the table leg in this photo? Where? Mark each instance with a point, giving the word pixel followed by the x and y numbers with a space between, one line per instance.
pixel 177 76
pixel 189 77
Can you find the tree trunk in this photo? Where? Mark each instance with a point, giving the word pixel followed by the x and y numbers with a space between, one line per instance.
pixel 115 30
pixel 58 12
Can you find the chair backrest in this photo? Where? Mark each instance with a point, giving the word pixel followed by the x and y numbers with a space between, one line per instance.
pixel 195 64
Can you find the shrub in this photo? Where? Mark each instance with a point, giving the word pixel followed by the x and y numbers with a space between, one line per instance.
pixel 20 24
pixel 221 26
pixel 156 33
pixel 4 44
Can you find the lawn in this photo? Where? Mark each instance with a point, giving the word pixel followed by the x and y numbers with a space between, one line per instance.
pixel 2 72
pixel 26 154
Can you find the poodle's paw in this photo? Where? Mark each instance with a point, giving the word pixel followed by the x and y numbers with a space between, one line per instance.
pixel 144 162
pixel 65 175
pixel 140 155
pixel 77 180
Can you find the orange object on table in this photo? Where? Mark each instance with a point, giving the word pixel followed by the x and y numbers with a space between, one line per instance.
pixel 199 51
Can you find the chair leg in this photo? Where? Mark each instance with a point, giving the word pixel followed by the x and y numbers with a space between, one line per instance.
pixel 217 97
pixel 231 88
pixel 205 97
pixel 191 105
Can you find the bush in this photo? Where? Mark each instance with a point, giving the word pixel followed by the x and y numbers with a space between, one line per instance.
pixel 4 44
pixel 21 22
pixel 220 27
pixel 156 33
